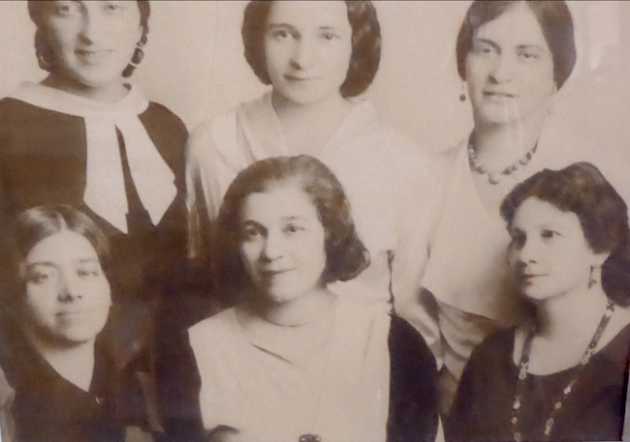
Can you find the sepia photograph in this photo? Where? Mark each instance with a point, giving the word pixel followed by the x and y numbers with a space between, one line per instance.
pixel 314 221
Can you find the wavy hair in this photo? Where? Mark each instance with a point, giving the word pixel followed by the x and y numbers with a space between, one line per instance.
pixel 346 256
pixel 366 44
pixel 582 189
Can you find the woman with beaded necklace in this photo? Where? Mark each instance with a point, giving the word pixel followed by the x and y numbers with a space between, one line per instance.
pixel 514 57
pixel 561 375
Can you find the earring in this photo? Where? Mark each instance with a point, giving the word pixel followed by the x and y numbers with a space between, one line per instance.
pixel 592 280
pixel 462 96
pixel 43 52
pixel 136 59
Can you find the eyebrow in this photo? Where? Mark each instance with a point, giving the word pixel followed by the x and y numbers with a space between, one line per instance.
pixel 52 264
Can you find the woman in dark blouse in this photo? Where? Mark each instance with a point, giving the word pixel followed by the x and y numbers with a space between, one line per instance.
pixel 85 137
pixel 73 371
pixel 561 376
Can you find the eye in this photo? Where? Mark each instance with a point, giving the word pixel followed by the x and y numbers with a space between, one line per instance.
pixel 329 36
pixel 250 233
pixel 280 34
pixel 485 49
pixel 518 238
pixel 40 276
pixel 115 6
pixel 292 229
pixel 66 8
pixel 548 234
pixel 88 272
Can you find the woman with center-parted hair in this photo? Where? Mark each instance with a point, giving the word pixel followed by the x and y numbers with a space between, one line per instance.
pixel 319 58
pixel 293 359
pixel 72 365
pixel 85 136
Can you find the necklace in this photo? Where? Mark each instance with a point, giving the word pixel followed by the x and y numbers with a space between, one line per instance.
pixel 524 366
pixel 496 176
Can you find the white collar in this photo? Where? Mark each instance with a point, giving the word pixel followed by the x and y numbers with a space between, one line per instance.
pixel 105 188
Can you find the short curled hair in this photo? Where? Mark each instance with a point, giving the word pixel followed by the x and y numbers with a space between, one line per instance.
pixel 582 189
pixel 36 224
pixel 555 21
pixel 366 44
pixel 36 10
pixel 346 256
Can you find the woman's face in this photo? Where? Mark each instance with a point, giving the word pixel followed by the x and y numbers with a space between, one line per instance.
pixel 67 294
pixel 509 69
pixel 308 46
pixel 92 41
pixel 283 243
pixel 549 254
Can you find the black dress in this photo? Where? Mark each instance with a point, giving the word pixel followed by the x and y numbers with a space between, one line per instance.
pixel 413 402
pixel 48 408
pixel 43 160
pixel 593 412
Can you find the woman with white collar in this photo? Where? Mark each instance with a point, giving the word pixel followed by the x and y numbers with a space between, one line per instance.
pixel 85 137
pixel 319 59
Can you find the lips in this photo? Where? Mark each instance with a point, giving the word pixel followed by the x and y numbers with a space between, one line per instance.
pixel 497 94
pixel 298 79
pixel 91 55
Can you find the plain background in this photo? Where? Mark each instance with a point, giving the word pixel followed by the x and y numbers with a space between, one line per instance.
pixel 195 66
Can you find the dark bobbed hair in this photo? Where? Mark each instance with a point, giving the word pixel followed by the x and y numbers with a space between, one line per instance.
pixel 346 256
pixel 42 47
pixel 38 223
pixel 582 189
pixel 366 44
pixel 555 21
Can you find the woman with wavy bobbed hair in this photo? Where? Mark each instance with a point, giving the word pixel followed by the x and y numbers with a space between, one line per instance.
pixel 562 374
pixel 319 59
pixel 293 359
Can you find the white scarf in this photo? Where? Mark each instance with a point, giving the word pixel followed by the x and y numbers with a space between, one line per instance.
pixel 105 186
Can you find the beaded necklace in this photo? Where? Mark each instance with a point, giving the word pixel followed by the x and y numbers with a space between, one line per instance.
pixel 495 177
pixel 524 366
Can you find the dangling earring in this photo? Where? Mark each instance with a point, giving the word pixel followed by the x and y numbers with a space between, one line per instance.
pixel 136 59
pixel 592 280
pixel 43 52
pixel 462 96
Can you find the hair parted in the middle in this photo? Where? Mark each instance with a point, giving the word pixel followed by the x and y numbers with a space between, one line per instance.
pixel 366 43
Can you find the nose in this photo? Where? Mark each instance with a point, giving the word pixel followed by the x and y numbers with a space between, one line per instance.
pixel 69 287
pixel 527 253
pixel 273 247
pixel 93 26
pixel 304 54
pixel 503 68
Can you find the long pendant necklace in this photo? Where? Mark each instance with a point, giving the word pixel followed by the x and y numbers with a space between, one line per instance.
pixel 496 176
pixel 524 366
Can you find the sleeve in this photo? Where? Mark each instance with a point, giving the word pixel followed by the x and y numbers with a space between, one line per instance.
pixel 471 417
pixel 413 409
pixel 421 206
pixel 178 389
pixel 209 172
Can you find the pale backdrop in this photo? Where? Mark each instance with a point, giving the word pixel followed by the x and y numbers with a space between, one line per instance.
pixel 195 66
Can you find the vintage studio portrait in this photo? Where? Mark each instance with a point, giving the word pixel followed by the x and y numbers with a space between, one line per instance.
pixel 314 221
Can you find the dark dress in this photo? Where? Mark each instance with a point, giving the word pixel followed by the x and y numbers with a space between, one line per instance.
pixel 47 407
pixel 593 412
pixel 413 402
pixel 43 160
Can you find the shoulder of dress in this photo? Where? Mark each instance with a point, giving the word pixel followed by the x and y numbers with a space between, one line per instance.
pixel 166 117
pixel 211 326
